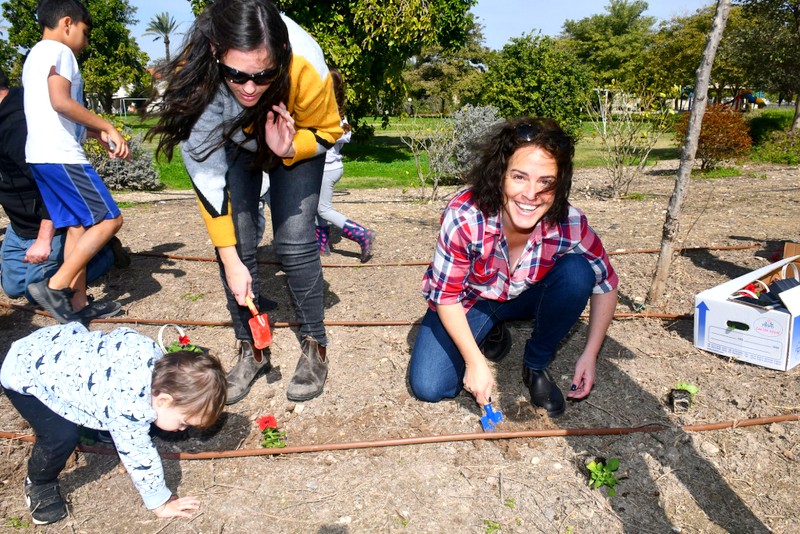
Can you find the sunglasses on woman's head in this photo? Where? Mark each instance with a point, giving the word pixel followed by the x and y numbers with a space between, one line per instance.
pixel 527 132
pixel 265 77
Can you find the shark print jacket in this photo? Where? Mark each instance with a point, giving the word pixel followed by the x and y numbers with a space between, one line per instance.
pixel 97 380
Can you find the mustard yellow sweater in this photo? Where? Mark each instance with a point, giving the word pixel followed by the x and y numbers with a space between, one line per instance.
pixel 311 103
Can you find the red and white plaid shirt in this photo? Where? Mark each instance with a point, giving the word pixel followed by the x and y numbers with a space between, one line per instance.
pixel 471 258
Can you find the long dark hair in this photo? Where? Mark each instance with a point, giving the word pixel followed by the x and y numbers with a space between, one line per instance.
pixel 493 152
pixel 193 77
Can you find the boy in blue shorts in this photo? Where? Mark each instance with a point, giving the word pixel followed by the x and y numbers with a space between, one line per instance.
pixel 74 194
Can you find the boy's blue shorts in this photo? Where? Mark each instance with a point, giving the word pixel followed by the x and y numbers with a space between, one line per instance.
pixel 74 194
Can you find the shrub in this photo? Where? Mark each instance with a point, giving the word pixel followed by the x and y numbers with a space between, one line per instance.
pixel 470 124
pixel 437 143
pixel 724 135
pixel 764 123
pixel 782 147
pixel 137 174
pixel 629 126
pixel 447 145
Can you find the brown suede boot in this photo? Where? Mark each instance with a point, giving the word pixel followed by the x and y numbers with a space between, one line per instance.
pixel 252 363
pixel 310 373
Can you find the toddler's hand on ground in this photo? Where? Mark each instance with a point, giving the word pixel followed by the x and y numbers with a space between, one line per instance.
pixel 178 507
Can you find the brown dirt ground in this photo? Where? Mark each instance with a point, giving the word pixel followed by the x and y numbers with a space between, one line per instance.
pixel 740 480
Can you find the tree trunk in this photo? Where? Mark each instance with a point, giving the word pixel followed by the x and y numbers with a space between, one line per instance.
pixel 688 152
pixel 166 48
pixel 796 120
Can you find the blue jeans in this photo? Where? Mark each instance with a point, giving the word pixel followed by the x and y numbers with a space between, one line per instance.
pixel 436 370
pixel 294 193
pixel 16 275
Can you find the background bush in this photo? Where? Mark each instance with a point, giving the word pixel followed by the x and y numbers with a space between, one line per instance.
pixel 470 125
pixel 764 123
pixel 138 174
pixel 781 147
pixel 724 135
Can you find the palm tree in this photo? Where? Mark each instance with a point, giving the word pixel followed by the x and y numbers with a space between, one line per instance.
pixel 162 25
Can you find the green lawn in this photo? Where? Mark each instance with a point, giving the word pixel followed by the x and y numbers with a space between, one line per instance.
pixel 384 161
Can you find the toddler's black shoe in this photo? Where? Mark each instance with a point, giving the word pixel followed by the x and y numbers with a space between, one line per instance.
pixel 56 301
pixel 544 391
pixel 497 344
pixel 45 502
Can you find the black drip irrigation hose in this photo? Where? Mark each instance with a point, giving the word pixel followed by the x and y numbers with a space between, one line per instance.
pixel 421 440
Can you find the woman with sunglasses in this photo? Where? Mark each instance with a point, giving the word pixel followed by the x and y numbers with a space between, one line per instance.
pixel 251 91
pixel 511 247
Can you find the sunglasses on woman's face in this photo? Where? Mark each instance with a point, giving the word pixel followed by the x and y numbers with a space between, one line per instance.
pixel 265 77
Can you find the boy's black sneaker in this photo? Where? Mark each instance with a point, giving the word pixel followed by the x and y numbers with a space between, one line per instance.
pixel 99 310
pixel 55 301
pixel 45 502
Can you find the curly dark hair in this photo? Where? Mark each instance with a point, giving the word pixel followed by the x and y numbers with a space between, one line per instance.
pixel 193 77
pixel 493 152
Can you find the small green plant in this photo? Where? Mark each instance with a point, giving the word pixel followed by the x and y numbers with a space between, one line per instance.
pixel 602 474
pixel 490 527
pixel 718 172
pixel 686 386
pixel 638 196
pixel 194 297
pixel 126 204
pixel 510 502
pixel 17 522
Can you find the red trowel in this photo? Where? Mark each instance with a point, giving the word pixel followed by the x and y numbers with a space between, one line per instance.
pixel 259 326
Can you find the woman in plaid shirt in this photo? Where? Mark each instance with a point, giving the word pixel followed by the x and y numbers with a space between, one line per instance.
pixel 511 247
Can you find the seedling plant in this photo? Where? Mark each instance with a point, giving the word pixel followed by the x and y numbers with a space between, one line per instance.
pixel 602 474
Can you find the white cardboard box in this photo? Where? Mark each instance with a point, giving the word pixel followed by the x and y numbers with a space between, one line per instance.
pixel 770 338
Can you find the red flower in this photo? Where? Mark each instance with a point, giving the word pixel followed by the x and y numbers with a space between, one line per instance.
pixel 267 421
pixel 183 340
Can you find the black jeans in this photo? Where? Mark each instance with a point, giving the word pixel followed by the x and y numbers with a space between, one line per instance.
pixel 294 195
pixel 56 437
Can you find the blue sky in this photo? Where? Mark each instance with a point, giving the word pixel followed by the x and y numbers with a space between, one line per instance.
pixel 502 19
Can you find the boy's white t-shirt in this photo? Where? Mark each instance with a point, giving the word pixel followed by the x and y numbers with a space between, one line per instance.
pixel 51 137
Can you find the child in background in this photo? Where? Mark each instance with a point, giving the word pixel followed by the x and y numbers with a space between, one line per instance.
pixel 333 173
pixel 64 376
pixel 75 196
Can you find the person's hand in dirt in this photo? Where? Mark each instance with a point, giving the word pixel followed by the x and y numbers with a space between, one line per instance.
pixel 479 380
pixel 176 507
pixel 601 311
pixel 280 131
pixel 583 379
pixel 236 274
